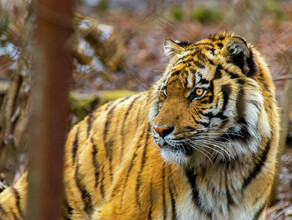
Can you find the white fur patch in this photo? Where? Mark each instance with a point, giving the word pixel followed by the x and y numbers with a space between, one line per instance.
pixel 177 156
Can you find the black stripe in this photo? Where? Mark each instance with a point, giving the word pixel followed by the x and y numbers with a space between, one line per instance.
pixel 253 68
pixel 123 124
pixel 151 200
pixel 196 194
pixel 221 37
pixel 257 169
pixel 201 56
pixel 142 165
pixel 203 81
pixel 226 90
pixel 2 210
pixel 15 217
pixel 176 73
pixel 198 44
pixel 173 205
pixel 128 174
pixel 95 162
pixel 241 135
pixel 108 144
pixel 132 164
pixel 109 115
pixel 211 62
pixel 211 90
pixel 190 128
pixel 102 183
pixel 205 124
pixel 109 105
pixel 258 213
pixel 195 119
pixel 183 60
pixel 86 198
pixel 230 200
pixel 67 210
pixel 240 105
pixel 218 73
pixel 75 145
pixel 211 115
pixel 163 193
pixel 17 198
pixel 89 122
pixel 232 75
pixel 220 45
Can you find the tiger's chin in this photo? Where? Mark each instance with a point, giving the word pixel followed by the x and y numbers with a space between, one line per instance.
pixel 176 155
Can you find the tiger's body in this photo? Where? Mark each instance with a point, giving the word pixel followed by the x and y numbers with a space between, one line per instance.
pixel 201 144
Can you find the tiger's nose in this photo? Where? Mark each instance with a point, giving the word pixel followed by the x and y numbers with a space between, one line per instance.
pixel 163 131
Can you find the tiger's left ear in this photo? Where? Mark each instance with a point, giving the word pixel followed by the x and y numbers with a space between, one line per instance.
pixel 172 48
pixel 239 53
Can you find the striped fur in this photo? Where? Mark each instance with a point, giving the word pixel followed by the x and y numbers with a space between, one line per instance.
pixel 218 162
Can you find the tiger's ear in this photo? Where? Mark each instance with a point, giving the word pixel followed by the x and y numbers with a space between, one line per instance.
pixel 240 54
pixel 172 48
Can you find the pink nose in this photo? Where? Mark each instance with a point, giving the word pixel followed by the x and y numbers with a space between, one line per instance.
pixel 163 131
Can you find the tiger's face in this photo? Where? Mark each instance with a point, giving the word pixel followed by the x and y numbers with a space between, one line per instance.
pixel 208 104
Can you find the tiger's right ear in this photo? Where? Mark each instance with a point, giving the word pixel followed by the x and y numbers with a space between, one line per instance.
pixel 172 48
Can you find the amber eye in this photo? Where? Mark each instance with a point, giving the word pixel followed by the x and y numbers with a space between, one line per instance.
pixel 197 94
pixel 199 91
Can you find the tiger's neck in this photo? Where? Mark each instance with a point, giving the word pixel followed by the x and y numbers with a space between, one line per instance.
pixel 223 185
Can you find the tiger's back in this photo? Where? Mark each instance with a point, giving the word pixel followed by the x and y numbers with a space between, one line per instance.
pixel 99 147
pixel 201 144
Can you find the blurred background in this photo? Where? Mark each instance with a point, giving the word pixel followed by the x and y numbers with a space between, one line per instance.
pixel 117 51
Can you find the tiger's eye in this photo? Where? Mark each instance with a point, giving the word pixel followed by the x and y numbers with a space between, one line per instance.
pixel 199 92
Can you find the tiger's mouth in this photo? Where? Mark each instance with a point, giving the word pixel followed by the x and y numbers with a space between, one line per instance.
pixel 173 150
pixel 177 153
pixel 183 148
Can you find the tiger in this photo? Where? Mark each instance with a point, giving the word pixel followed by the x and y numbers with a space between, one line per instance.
pixel 201 143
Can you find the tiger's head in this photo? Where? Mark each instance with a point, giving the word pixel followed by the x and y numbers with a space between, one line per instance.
pixel 208 105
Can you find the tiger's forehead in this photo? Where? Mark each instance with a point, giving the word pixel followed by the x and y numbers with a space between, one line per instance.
pixel 191 69
pixel 196 64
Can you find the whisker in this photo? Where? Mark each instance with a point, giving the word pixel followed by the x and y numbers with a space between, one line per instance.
pixel 214 149
pixel 220 147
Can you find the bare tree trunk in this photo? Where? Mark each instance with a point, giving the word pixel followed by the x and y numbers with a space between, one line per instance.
pixel 245 18
pixel 50 108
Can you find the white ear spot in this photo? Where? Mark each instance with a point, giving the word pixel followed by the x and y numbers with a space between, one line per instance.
pixel 171 48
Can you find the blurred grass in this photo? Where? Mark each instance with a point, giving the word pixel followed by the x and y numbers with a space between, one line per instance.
pixel 84 103
pixel 207 15
pixel 176 13
pixel 202 14
pixel 102 6
pixel 272 5
pixel 275 6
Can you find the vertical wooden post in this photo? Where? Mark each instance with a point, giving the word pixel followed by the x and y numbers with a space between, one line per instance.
pixel 50 108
